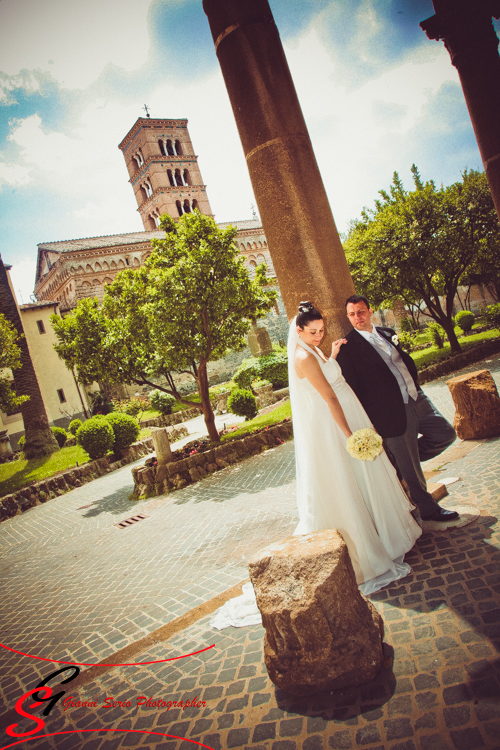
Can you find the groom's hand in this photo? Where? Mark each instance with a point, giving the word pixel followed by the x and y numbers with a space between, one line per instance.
pixel 336 347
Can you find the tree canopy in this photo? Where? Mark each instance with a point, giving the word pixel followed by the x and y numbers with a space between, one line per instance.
pixel 190 303
pixel 418 245
pixel 10 358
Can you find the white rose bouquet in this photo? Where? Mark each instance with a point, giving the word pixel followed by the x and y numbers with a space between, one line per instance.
pixel 364 444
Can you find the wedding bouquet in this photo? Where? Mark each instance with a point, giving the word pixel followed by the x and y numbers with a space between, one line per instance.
pixel 364 444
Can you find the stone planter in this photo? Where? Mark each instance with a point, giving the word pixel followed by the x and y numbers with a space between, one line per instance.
pixel 152 479
pixel 265 396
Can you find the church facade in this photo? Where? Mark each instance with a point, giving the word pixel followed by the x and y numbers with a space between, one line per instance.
pixel 165 177
pixel 164 174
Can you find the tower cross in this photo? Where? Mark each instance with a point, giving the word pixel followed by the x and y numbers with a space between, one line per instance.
pixel 147 111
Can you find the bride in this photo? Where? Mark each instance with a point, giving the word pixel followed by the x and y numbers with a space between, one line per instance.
pixel 363 500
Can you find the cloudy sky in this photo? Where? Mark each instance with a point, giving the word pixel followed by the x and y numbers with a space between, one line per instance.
pixel 377 95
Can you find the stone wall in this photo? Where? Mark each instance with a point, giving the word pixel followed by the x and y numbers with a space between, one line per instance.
pixel 459 360
pixel 40 492
pixel 160 479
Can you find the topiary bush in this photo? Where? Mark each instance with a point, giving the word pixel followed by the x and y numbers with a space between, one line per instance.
pixel 21 441
pixel 60 435
pixel 274 367
pixel 96 436
pixel 465 320
pixel 161 401
pixel 246 372
pixel 437 334
pixel 125 428
pixel 242 403
pixel 74 425
pixel 492 313
pixel 405 325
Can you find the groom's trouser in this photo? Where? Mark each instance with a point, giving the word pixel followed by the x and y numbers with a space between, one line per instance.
pixel 408 450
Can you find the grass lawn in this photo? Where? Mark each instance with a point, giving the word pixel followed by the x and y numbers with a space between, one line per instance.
pixel 432 355
pixel 17 474
pixel 275 416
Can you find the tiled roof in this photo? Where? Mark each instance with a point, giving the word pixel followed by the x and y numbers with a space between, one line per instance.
pixel 133 238
pixel 111 240
pixel 33 305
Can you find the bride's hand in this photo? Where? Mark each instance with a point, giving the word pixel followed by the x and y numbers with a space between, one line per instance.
pixel 336 347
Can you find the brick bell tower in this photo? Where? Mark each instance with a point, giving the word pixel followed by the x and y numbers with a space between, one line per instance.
pixel 163 170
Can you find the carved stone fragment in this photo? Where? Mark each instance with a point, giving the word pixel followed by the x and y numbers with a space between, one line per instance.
pixel 477 405
pixel 321 633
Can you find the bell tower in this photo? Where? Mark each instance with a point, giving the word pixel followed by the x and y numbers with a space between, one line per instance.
pixel 163 170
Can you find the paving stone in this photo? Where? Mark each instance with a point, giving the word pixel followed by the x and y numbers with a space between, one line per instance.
pixel 443 620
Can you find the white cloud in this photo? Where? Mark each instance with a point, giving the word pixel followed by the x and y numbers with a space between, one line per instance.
pixel 73 41
pixel 14 174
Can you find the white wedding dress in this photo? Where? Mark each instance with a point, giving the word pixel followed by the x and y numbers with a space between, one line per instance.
pixel 363 500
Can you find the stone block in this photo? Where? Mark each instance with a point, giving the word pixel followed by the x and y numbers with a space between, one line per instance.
pixel 477 405
pixel 61 482
pixel 172 469
pixel 194 474
pixel 221 463
pixel 161 443
pixel 161 473
pixel 211 467
pixel 321 633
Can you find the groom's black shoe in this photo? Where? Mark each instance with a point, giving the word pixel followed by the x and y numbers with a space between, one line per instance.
pixel 441 515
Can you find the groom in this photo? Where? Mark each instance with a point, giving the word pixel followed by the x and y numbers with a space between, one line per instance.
pixel 384 378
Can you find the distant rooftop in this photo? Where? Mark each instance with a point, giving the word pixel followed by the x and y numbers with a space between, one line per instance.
pixel 33 305
pixel 133 238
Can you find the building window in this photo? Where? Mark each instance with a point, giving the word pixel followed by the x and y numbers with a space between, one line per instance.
pixel 62 397
pixel 41 327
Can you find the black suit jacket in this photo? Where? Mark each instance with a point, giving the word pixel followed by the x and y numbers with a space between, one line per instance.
pixel 373 382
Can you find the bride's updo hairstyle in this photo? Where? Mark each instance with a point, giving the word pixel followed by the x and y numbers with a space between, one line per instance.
pixel 307 313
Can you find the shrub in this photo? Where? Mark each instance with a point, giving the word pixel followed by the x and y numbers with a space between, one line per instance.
pixel 21 441
pixel 132 406
pixel 406 324
pixel 125 428
pixel 437 334
pixel 246 372
pixel 274 367
pixel 465 320
pixel 96 436
pixel 60 435
pixel 492 313
pixel 74 425
pixel 242 403
pixel 408 340
pixel 161 401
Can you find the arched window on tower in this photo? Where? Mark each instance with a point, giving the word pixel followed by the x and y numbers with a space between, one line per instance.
pixel 162 148
pixel 179 207
pixel 148 189
pixel 195 205
pixel 178 148
pixel 139 158
pixel 178 177
pixel 170 148
pixel 187 179
pixel 155 219
pixel 170 177
pixel 187 207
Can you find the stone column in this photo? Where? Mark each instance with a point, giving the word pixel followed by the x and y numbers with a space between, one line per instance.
pixel 162 445
pixel 259 340
pixel 465 27
pixel 303 240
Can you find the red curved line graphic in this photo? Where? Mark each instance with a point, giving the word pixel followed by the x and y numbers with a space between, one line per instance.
pixel 98 664
pixel 80 731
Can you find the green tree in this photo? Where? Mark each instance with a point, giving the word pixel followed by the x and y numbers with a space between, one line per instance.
pixel 10 357
pixel 417 245
pixel 190 303
pixel 39 438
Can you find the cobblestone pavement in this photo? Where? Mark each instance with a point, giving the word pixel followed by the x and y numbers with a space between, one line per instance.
pixel 75 587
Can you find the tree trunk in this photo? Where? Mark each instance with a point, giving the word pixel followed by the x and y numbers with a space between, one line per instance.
pixel 452 336
pixel 205 402
pixel 39 440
